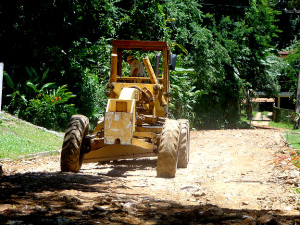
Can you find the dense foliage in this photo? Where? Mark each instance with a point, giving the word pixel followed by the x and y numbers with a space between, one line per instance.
pixel 291 69
pixel 228 46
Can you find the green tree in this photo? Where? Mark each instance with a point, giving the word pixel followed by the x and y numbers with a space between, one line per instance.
pixel 68 37
pixel 225 43
pixel 292 69
pixel 226 53
pixel 144 20
pixel 288 22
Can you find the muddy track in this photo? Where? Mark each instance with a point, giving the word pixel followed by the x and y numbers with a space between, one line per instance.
pixel 229 180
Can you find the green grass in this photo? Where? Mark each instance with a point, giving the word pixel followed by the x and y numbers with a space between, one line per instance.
pixel 18 138
pixel 265 113
pixel 254 113
pixel 244 115
pixel 288 126
pixel 293 138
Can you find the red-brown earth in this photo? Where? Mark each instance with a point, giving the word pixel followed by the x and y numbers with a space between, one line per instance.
pixel 230 179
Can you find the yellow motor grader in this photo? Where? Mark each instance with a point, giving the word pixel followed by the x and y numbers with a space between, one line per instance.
pixel 136 122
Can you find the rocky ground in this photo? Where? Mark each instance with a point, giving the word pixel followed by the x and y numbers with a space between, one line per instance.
pixel 231 179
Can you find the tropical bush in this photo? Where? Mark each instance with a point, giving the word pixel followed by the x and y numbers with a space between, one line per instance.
pixel 184 96
pixel 17 100
pixel 291 70
pixel 43 104
pixel 92 96
pixel 227 47
pixel 50 109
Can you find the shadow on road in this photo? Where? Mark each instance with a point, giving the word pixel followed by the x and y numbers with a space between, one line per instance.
pixel 45 198
pixel 19 185
pixel 120 167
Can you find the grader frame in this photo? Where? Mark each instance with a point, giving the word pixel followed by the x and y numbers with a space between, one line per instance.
pixel 136 120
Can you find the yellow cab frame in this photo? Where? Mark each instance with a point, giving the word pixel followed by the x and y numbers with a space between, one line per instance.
pixel 136 109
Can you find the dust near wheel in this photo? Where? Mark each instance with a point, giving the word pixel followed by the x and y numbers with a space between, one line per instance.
pixel 184 144
pixel 71 155
pixel 168 149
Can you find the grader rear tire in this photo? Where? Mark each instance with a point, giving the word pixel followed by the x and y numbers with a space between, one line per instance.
pixel 168 149
pixel 184 144
pixel 71 155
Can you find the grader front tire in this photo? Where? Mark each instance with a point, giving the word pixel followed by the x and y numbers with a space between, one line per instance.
pixel 184 144
pixel 71 155
pixel 168 149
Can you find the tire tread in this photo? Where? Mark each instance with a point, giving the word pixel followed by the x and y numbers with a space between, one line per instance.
pixel 184 148
pixel 71 157
pixel 168 149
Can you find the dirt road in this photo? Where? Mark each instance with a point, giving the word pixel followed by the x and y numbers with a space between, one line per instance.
pixel 229 180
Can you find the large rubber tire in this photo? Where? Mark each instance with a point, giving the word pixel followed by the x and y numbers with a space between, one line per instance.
pixel 184 144
pixel 168 149
pixel 71 155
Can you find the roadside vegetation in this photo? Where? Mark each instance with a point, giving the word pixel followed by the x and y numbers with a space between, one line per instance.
pixel 293 138
pixel 283 125
pixel 20 138
pixel 289 156
pixel 57 55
